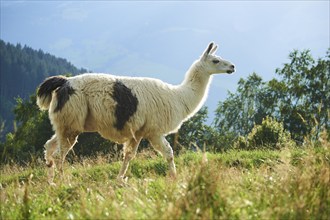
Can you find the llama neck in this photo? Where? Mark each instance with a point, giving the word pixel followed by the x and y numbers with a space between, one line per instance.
pixel 194 88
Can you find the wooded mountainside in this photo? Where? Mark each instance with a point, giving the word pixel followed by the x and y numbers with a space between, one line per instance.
pixel 22 70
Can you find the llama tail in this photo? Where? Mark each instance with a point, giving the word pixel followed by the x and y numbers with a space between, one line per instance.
pixel 59 84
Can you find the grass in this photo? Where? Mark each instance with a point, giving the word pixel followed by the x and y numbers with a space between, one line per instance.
pixel 260 184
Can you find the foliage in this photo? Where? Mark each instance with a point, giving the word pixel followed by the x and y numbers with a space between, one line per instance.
pixel 33 131
pixel 298 98
pixel 305 93
pixel 290 183
pixel 240 111
pixel 270 134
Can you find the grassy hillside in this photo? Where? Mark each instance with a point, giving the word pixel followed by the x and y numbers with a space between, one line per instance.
pixel 260 184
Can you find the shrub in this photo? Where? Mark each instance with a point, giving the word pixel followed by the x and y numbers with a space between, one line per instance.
pixel 270 134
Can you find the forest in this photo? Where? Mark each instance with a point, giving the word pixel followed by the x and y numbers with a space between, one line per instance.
pixel 259 114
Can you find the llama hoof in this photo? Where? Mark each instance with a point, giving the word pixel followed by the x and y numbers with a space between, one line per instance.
pixel 49 164
pixel 122 181
pixel 52 184
pixel 172 177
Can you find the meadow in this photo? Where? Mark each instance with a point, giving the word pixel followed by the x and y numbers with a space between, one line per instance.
pixel 291 183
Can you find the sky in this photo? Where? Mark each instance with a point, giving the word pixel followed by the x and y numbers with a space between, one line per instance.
pixel 161 39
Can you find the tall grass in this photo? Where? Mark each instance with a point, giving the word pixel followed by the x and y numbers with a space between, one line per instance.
pixel 260 184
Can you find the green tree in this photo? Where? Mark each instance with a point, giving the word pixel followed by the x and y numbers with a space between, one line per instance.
pixel 241 110
pixel 32 132
pixel 299 99
pixel 306 85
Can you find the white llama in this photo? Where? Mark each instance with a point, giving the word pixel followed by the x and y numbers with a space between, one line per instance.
pixel 124 109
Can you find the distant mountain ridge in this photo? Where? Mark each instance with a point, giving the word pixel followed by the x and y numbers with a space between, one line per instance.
pixel 22 69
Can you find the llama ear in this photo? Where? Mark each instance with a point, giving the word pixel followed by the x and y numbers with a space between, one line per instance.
pixel 214 49
pixel 208 50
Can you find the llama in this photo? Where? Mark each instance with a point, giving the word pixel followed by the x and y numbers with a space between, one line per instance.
pixel 124 109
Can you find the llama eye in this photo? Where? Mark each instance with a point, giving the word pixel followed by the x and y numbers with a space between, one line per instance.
pixel 215 61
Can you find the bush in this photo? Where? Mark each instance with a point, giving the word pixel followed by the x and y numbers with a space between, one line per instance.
pixel 270 134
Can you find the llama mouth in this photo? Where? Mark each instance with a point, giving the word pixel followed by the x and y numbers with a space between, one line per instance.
pixel 230 71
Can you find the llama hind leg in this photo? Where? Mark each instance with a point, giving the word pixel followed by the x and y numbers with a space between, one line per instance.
pixel 66 144
pixel 161 145
pixel 51 146
pixel 130 149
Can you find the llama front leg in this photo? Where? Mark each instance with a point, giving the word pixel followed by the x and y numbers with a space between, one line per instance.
pixel 50 147
pixel 161 145
pixel 130 149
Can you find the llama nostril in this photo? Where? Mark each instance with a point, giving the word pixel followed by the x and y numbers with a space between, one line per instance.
pixel 232 66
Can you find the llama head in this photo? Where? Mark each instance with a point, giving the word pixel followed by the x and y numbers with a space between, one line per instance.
pixel 215 64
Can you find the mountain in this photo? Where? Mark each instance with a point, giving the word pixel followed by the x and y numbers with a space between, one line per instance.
pixel 22 69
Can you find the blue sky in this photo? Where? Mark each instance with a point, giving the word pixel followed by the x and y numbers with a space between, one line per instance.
pixel 162 39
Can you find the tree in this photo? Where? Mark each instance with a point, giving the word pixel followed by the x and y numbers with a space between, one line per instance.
pixel 307 87
pixel 32 132
pixel 299 99
pixel 241 110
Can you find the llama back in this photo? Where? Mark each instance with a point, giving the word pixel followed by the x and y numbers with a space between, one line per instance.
pixel 109 105
pixel 129 104
pixel 98 92
pixel 113 106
